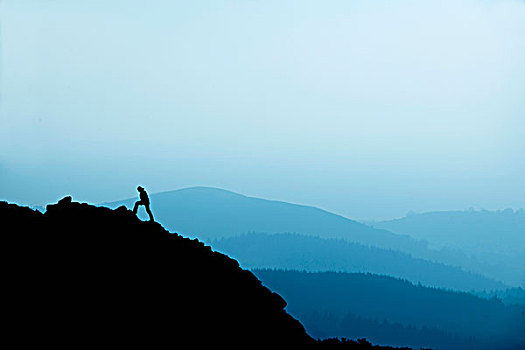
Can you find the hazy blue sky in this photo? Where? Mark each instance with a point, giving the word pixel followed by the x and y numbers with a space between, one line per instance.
pixel 365 108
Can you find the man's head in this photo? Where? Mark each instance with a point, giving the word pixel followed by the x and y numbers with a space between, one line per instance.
pixel 140 188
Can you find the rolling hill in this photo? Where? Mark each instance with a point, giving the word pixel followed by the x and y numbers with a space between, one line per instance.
pixel 474 231
pixel 332 304
pixel 298 252
pixel 211 213
pixel 495 238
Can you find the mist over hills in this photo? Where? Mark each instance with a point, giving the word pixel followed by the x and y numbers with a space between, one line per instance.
pixel 299 252
pixel 89 263
pixel 211 213
pixel 474 231
pixel 80 274
pixel 496 238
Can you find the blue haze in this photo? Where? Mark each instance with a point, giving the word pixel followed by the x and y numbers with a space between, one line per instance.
pixel 367 109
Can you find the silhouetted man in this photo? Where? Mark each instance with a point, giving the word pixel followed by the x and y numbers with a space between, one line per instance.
pixel 144 200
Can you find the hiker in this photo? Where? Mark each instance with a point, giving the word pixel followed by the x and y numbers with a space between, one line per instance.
pixel 144 200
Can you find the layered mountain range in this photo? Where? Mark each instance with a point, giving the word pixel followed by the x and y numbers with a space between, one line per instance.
pixel 212 214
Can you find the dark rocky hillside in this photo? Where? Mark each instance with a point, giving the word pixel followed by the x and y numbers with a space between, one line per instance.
pixel 84 275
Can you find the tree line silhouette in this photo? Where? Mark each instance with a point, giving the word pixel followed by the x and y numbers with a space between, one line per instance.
pixel 395 311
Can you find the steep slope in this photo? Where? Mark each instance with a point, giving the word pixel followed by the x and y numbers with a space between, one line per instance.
pixel 298 252
pixel 85 275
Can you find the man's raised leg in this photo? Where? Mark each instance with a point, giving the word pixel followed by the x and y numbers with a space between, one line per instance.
pixel 136 207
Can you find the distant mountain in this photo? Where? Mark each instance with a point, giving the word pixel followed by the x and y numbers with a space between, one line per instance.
pixel 298 252
pixel 91 276
pixel 211 213
pixel 332 304
pixel 473 231
pixel 510 296
pixel 491 237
